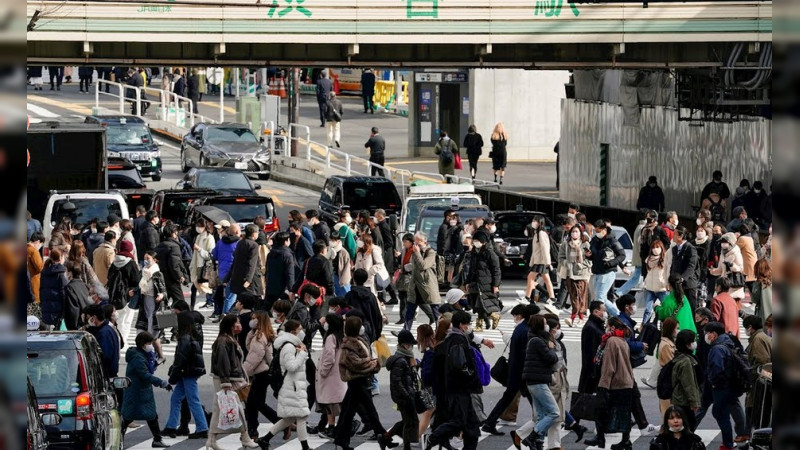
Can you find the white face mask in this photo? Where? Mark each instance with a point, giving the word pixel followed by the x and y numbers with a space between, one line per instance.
pixel 657 251
pixel 348 219
pixel 701 235
pixel 699 221
pixel 301 335
pixel 547 328
pixel 149 348
pixel 571 215
pixel 199 230
pixel 693 346
pixel 676 430
pixel 477 244
pixel 575 235
pixel 114 316
pixel 325 327
pixel 708 339
pixel 336 245
pixel 676 222
pixel 725 246
pixel 493 229
pixel 362 331
pixel 147 263
pixel 633 309
pixel 253 324
pixel 605 315
pixel 453 222
pixel 757 191
pixel 469 329
pixel 558 334
pixel 360 243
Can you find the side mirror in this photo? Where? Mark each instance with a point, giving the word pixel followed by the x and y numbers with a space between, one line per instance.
pixel 51 419
pixel 121 382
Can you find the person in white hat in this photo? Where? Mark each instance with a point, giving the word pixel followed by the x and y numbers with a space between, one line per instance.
pixel 222 225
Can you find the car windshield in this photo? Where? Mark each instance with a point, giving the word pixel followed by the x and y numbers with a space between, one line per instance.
pixel 54 373
pixel 414 206
pixel 623 238
pixel 86 209
pixel 125 178
pixel 128 134
pixel 370 196
pixel 223 181
pixel 246 212
pixel 216 134
pixel 430 224
pixel 513 225
pixel 175 209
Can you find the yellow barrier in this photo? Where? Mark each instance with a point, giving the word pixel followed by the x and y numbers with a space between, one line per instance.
pixel 384 93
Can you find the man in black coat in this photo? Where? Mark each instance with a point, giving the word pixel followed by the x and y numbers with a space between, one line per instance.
pixel 280 271
pixel 321 230
pixel 361 298
pixel 685 264
pixel 319 270
pixel 193 89
pixel 148 234
pixel 168 253
pixel 324 89
pixel 76 298
pixel 368 90
pixel 388 254
pixel 591 337
pixel 483 278
pixel 651 196
pixel 377 151
pixel 243 277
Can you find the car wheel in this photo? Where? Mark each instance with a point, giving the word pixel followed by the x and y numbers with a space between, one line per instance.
pixel 264 176
pixel 184 166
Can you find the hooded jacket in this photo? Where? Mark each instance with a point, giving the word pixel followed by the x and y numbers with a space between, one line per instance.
pixel 76 297
pixel 128 269
pixel 139 402
pixel 455 364
pixel 362 299
pixel 223 254
pixel 401 379
pixel 356 360
pixel 293 395
pixel 51 293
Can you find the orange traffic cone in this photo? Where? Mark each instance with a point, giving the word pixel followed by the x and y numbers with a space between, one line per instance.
pixel 336 85
pixel 282 89
pixel 273 88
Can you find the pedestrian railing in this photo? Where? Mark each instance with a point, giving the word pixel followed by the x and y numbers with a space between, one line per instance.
pixel 171 107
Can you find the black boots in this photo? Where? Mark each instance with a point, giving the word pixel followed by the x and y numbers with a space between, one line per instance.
pixel 597 441
pixel 534 441
pixel 579 430
pixel 626 444
pixel 264 441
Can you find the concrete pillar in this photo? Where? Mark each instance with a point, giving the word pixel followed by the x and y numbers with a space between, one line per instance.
pixel 398 87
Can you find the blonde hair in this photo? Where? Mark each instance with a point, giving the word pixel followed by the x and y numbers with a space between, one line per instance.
pixel 499 132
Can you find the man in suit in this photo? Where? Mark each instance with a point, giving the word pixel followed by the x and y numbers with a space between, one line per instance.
pixel 684 264
pixel 368 90
pixel 324 89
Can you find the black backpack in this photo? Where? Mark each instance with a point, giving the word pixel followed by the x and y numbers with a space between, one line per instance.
pixel 117 289
pixel 741 370
pixel 447 153
pixel 717 211
pixel 275 372
pixel 664 386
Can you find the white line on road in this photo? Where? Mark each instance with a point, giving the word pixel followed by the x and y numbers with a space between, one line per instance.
pixel 41 112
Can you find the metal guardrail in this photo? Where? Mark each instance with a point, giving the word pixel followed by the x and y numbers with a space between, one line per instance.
pixel 163 100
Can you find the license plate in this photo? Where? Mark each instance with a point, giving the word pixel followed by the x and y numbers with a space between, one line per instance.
pixel 240 165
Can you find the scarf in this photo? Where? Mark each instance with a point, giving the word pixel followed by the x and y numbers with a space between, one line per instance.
pixel 654 261
pixel 701 242
pixel 402 351
pixel 598 359
pixel 576 254
pixel 407 256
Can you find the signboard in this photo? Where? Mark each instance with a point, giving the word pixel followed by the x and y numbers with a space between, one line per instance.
pixel 448 77
pixel 428 77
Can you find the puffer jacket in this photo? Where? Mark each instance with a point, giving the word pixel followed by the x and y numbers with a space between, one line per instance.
pixel 139 403
pixel 51 293
pixel 259 354
pixel 402 380
pixel 223 254
pixel 356 360
pixel 293 396
pixel 484 271
pixel 226 359
pixel 568 264
pixel 540 249
pixel 539 360
pixel 656 279
pixel 188 359
pixel 607 254
pixel 719 370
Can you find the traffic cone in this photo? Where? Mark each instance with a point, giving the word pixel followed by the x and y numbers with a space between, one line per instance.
pixel 282 89
pixel 336 85
pixel 273 88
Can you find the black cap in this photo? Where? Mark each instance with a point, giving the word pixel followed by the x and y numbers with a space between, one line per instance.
pixel 652 179
pixel 405 337
pixel 113 218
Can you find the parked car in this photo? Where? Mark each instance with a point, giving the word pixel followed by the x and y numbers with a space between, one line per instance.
pixel 627 243
pixel 36 432
pixel 431 217
pixel 243 209
pixel 355 194
pixel 511 226
pixel 82 207
pixel 223 180
pixel 130 137
pixel 225 144
pixel 174 204
pixel 66 371
pixel 123 174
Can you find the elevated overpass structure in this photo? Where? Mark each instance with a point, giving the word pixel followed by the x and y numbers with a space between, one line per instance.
pixel 394 33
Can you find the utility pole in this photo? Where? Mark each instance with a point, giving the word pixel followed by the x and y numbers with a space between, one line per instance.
pixel 294 101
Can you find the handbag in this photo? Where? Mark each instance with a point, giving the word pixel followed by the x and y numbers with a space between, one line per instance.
pixel 382 278
pixel 499 371
pixel 651 336
pixel 457 164
pixel 382 350
pixel 738 279
pixel 306 282
pixel 242 392
pixel 166 319
pixel 585 406
pixel 210 273
pixel 423 397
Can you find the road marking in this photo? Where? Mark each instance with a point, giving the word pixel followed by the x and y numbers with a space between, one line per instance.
pixel 41 112
pixel 58 104
pixel 413 161
pixel 216 106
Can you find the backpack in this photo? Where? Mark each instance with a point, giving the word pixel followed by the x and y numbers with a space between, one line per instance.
pixel 441 268
pixel 276 374
pixel 717 211
pixel 741 371
pixel 117 290
pixel 482 368
pixel 447 154
pixel 664 386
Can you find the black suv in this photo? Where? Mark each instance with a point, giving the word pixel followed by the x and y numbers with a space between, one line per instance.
pixel 36 433
pixel 123 174
pixel 130 137
pixel 358 193
pixel 243 209
pixel 66 371
pixel 174 204
pixel 511 227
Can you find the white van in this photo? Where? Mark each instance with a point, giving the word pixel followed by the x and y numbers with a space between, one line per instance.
pixel 434 195
pixel 82 207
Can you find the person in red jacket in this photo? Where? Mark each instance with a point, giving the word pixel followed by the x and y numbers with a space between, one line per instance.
pixel 723 307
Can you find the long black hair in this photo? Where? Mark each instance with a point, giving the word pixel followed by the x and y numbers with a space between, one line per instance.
pixel 675 411
pixel 186 325
pixel 335 327
pixel 676 283
pixel 542 225
pixel 226 325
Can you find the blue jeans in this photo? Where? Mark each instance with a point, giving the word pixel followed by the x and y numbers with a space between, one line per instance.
pixel 725 404
pixel 339 291
pixel 602 284
pixel 635 279
pixel 186 387
pixel 545 406
pixel 648 304
pixel 230 299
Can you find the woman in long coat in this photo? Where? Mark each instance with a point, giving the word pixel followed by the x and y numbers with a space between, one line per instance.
pixel 139 403
pixel 330 387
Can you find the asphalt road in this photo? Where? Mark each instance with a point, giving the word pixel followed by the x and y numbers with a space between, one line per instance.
pixel 68 105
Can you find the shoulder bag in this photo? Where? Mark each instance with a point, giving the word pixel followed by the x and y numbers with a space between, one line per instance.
pixel 500 369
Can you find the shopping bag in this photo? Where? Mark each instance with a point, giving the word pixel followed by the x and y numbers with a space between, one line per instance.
pixel 585 406
pixel 229 418
pixel 458 165
pixel 500 370
pixel 382 350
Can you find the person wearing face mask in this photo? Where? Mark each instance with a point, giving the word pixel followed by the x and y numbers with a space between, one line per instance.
pixel 658 264
pixel 702 244
pixel 404 279
pixel 403 381
pixel 716 191
pixel 666 350
pixel 731 265
pixel 670 224
pixel 107 338
pixel 370 258
pixel 635 277
pixel 559 386
pixel 300 246
pixel 357 365
pixel 482 282
pixel 753 200
pixel 34 261
pixel 686 377
pixel 591 337
pixel 456 367
pixel 52 289
pixel 227 374
pixel 615 387
pixel 204 244
pixel 184 373
pixel 540 261
pixel 651 196
pixel 153 290
pixel 576 269
pixel 340 263
pixel 651 232
pixel 330 387
pixel 452 247
pixel 721 377
pixel 423 289
pixel 140 403
pixel 675 433
pixel 293 406
pixel 684 264
pixel 704 220
pixel 606 254
pixel 759 352
pixel 256 365
pixel 346 234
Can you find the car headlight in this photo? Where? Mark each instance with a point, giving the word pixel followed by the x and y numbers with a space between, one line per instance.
pixel 263 154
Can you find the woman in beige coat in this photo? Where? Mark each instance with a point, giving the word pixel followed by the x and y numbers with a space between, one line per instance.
pixel 731 261
pixel 576 268
pixel 666 351
pixel 658 264
pixel 204 244
pixel 370 258
pixel 540 261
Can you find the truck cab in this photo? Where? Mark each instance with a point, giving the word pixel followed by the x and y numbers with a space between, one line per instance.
pixel 420 196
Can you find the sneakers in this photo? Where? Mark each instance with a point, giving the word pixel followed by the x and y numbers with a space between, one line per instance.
pixel 646 383
pixel 171 433
pixel 570 322
pixel 649 429
pixel 158 444
pixel 506 423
